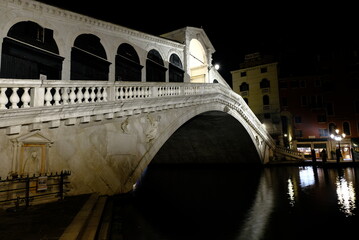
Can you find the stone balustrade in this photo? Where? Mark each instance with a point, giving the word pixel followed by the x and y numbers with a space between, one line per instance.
pixel 16 94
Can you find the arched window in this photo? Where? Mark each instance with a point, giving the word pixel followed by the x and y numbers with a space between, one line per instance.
pixel 346 128
pixel 244 87
pixel 264 83
pixel 155 70
pixel 176 72
pixel 265 100
pixel 127 63
pixel 88 59
pixel 28 51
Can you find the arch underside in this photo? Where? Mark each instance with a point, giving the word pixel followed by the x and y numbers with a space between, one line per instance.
pixel 206 135
pixel 210 137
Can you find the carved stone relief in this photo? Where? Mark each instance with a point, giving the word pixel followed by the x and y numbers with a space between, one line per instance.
pixel 31 154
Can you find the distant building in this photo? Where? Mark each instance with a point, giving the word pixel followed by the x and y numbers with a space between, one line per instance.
pixel 310 104
pixel 257 82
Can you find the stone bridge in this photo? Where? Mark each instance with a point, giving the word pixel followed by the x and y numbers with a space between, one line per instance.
pixel 103 101
pixel 107 133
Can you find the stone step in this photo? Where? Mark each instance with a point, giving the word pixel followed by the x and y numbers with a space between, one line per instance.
pixel 86 222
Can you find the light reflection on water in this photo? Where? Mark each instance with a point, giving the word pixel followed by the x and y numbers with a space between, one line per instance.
pixel 211 204
pixel 346 195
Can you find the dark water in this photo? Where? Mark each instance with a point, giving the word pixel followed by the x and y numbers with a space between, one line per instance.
pixel 230 202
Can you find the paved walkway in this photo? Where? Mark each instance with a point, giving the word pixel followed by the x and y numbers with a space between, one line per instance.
pixel 75 217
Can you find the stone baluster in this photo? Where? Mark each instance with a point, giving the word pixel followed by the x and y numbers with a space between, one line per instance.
pixel 25 98
pixel 86 95
pixel 48 96
pixel 57 96
pixel 126 92
pixel 65 95
pixel 79 95
pixel 3 98
pixel 14 98
pixel 93 94
pixel 99 94
pixel 122 93
pixel 72 95
pixel 104 94
pixel 117 93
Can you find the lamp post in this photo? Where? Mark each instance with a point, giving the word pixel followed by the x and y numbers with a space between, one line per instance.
pixel 338 137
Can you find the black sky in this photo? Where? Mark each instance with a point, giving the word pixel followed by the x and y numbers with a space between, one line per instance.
pixel 234 30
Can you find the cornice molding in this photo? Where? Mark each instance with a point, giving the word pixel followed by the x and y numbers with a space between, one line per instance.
pixel 73 16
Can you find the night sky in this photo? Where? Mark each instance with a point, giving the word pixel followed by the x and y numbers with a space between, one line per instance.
pixel 234 31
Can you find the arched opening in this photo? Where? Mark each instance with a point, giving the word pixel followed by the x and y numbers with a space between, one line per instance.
pixel 88 59
pixel 176 72
pixel 210 137
pixel 197 62
pixel 244 87
pixel 29 51
pixel 127 63
pixel 155 70
pixel 264 83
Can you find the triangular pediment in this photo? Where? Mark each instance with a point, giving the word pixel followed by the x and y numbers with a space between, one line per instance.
pixel 33 137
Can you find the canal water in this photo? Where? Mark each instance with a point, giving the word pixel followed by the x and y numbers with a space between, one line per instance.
pixel 237 202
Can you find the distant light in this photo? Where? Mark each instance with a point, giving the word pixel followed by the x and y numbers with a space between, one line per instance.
pixel 285 135
pixel 216 66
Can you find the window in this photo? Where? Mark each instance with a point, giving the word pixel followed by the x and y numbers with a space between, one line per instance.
pixel 302 83
pixel 303 100
pixel 243 74
pixel 264 83
pixel 346 128
pixel 298 133
pixel 265 100
pixel 267 115
pixel 284 102
pixel 298 119
pixel 322 118
pixel 244 87
pixel 323 132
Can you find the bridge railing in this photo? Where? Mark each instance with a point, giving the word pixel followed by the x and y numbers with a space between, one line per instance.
pixel 18 93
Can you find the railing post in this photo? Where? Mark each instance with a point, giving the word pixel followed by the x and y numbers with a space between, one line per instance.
pixel 154 91
pixel 61 186
pixel 111 96
pixel 27 195
pixel 38 97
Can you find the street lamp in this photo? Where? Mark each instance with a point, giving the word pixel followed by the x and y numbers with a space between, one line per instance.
pixel 337 137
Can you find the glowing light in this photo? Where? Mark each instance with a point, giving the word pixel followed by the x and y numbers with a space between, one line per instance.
pixel 216 66
pixel 346 196
pixel 306 176
pixel 291 192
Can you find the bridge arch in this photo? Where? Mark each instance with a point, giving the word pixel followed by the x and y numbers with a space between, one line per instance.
pixel 257 147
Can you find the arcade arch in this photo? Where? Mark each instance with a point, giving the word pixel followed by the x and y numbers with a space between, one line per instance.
pixel 28 51
pixel 197 62
pixel 88 59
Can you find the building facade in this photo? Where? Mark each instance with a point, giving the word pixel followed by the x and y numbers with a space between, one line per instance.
pixel 257 82
pixel 317 104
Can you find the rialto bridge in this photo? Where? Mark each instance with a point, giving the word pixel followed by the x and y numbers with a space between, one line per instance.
pixel 101 100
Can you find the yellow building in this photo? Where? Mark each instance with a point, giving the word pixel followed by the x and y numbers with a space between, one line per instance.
pixel 257 82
